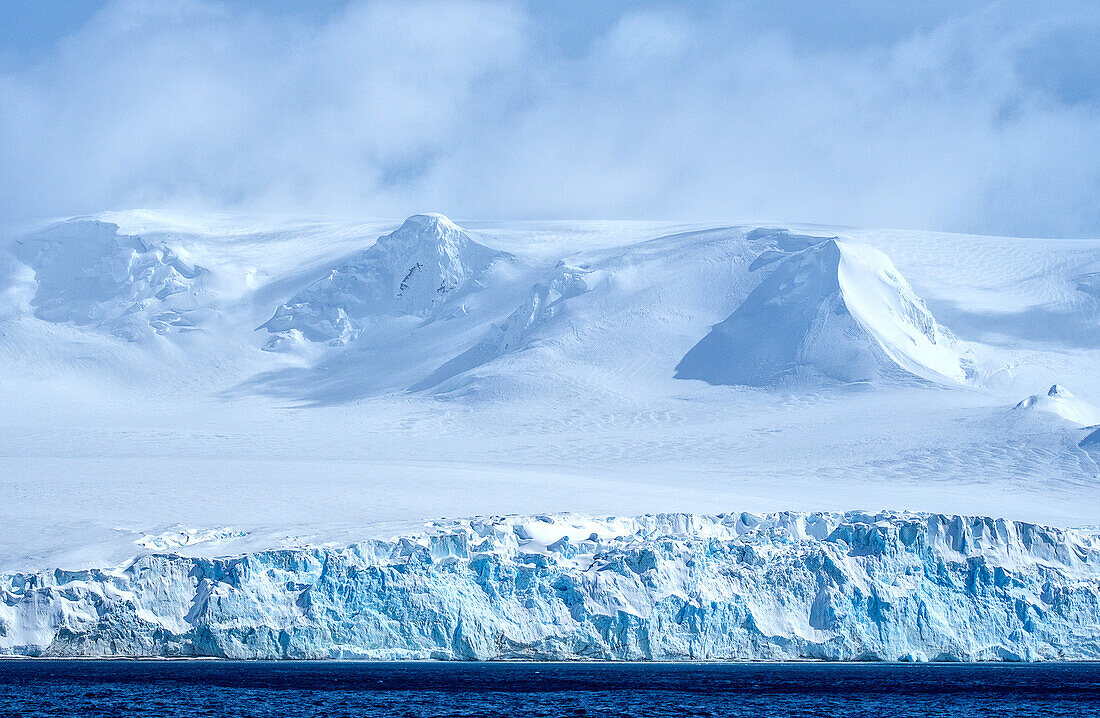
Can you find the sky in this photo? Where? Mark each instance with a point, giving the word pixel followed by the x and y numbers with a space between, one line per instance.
pixel 979 117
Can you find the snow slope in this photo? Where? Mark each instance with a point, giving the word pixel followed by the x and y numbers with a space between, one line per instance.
pixel 141 410
pixel 579 325
pixel 888 586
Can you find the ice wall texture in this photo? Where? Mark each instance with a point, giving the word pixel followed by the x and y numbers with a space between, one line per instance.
pixel 673 586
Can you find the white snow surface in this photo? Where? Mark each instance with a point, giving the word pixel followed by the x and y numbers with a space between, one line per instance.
pixel 217 384
pixel 855 586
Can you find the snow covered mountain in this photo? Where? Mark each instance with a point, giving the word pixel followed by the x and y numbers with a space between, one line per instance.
pixel 837 310
pixel 890 586
pixel 408 371
pixel 421 268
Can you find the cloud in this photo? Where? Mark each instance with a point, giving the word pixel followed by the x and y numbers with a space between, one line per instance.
pixel 200 102
pixel 649 35
pixel 983 120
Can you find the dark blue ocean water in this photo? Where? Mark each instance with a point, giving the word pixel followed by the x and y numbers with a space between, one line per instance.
pixel 209 688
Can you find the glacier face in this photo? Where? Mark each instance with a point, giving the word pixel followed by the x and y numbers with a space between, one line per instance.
pixel 855 586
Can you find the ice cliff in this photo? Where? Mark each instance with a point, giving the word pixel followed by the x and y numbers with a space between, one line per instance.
pixel 850 586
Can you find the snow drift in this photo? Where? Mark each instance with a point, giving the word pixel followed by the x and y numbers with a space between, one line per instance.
pixel 415 270
pixel 1060 402
pixel 837 310
pixel 888 586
